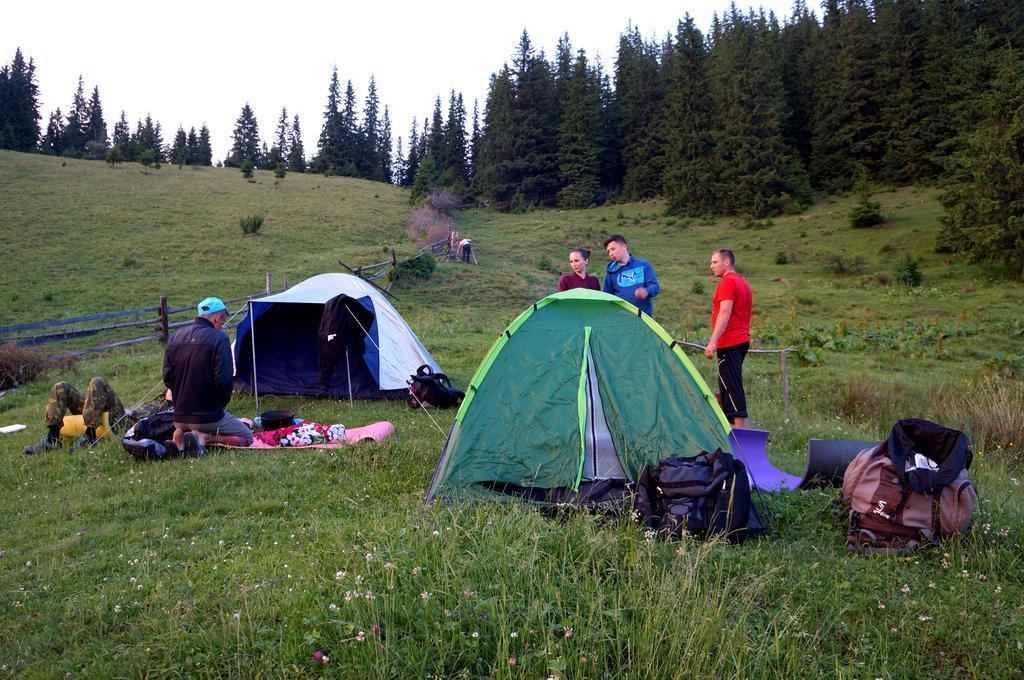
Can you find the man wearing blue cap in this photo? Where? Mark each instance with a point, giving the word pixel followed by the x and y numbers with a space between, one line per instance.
pixel 199 370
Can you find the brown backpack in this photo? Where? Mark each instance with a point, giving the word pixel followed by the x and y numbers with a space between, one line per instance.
pixel 888 517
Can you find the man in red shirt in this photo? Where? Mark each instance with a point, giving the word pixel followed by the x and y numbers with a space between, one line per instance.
pixel 730 333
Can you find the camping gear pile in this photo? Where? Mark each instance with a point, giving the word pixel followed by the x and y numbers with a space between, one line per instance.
pixel 585 402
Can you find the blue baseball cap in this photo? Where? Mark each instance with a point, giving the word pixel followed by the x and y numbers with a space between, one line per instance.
pixel 211 305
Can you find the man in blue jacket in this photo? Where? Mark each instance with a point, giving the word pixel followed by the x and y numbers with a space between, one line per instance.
pixel 628 277
pixel 199 370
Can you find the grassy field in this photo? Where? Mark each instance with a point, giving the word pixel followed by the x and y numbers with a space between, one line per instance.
pixel 244 565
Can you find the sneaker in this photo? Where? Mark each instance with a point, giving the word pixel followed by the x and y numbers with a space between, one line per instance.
pixel 83 443
pixel 44 444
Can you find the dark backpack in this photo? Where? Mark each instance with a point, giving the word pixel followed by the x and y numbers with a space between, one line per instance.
pixel 429 389
pixel 703 495
pixel 158 427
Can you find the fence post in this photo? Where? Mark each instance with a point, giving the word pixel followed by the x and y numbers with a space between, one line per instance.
pixel 286 281
pixel 164 326
pixel 785 383
pixel 268 283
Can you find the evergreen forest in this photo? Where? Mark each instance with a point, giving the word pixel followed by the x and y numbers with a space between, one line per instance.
pixel 751 117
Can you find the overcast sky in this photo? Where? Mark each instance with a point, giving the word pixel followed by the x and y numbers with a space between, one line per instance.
pixel 190 62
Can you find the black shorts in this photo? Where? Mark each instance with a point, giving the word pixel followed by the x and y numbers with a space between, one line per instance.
pixel 730 380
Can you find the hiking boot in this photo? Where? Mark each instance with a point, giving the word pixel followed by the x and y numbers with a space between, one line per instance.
pixel 83 443
pixel 191 446
pixel 44 444
pixel 172 449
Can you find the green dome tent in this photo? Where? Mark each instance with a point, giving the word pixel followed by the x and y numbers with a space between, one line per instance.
pixel 572 401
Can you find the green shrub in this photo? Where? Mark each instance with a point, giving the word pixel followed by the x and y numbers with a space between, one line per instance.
pixel 866 214
pixel 782 257
pixel 908 272
pixel 841 266
pixel 422 267
pixel 247 168
pixel 251 224
pixel 697 288
pixel 279 172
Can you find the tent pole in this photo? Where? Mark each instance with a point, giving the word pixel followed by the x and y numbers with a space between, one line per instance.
pixel 349 373
pixel 252 338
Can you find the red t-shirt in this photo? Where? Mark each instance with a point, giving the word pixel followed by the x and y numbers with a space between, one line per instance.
pixel 737 330
pixel 570 281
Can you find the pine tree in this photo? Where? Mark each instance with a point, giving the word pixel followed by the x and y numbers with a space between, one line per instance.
pixel 899 25
pixel 329 145
pixel 412 163
pixel 179 150
pixel 19 105
pixel 96 129
pixel 689 177
pixel 640 93
pixel 52 142
pixel 534 135
pixel 435 139
pixel 610 152
pixel 205 147
pixel 951 82
pixel 398 167
pixel 368 163
pixel 386 166
pixel 122 136
pixel 562 73
pixel 192 147
pixel 75 130
pixel 801 50
pixel 279 152
pixel 848 138
pixel 496 173
pixel 578 135
pixel 245 143
pixel 296 152
pixel 755 172
pixel 349 138
pixel 455 171
pixel 985 201
pixel 474 142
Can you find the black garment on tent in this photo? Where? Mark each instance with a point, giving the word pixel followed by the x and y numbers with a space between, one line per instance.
pixel 343 329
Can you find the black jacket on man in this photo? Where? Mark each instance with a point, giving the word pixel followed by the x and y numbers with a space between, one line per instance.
pixel 198 369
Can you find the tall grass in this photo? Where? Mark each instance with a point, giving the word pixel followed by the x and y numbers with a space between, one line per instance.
pixel 989 409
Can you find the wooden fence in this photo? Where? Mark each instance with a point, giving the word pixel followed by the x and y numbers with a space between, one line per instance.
pixel 782 359
pixel 157 319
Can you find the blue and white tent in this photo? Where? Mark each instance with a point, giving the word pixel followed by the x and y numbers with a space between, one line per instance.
pixel 333 335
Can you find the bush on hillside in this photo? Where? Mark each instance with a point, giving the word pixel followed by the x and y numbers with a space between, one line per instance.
pixel 841 266
pixel 427 225
pixel 908 272
pixel 866 214
pixel 247 168
pixel 20 365
pixel 422 267
pixel 251 224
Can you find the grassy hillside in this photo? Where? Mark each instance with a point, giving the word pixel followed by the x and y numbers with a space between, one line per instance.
pixel 244 564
